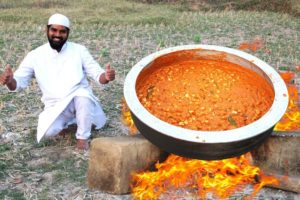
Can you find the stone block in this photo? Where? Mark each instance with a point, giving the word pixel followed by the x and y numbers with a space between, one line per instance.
pixel 113 159
pixel 280 156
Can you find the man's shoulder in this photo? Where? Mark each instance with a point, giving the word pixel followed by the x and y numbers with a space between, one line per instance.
pixel 38 50
pixel 76 48
pixel 41 48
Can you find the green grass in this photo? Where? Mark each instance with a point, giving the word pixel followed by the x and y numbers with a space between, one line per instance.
pixel 71 172
pixel 3 167
pixel 7 97
pixel 119 32
pixel 12 194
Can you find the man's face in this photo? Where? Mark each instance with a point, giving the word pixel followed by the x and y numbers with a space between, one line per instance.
pixel 57 36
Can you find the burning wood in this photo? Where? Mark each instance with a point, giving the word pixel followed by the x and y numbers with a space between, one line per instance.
pixel 222 178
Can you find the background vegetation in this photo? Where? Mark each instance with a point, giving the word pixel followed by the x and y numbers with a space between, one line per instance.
pixel 283 6
pixel 120 32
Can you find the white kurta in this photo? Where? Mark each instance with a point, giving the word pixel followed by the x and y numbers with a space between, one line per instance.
pixel 60 76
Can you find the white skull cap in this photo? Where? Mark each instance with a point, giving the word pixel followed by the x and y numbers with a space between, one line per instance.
pixel 59 19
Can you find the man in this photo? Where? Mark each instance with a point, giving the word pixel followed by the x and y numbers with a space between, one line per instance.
pixel 61 69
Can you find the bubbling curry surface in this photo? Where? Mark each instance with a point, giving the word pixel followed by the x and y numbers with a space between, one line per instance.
pixel 205 95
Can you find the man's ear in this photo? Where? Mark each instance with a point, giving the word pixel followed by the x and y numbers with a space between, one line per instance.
pixel 46 29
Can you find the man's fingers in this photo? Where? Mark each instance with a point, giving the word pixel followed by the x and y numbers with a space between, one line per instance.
pixel 109 73
pixel 3 78
pixel 7 75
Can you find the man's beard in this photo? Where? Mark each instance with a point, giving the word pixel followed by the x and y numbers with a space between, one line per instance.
pixel 57 45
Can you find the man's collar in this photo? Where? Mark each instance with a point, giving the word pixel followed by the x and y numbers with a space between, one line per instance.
pixel 62 49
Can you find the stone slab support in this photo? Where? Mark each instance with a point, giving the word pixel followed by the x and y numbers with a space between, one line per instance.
pixel 280 156
pixel 113 159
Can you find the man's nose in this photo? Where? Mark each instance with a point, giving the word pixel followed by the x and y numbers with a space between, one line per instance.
pixel 57 34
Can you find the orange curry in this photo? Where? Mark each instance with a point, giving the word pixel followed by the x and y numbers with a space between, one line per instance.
pixel 205 94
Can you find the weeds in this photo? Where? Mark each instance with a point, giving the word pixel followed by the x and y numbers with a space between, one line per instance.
pixel 104 52
pixel 197 39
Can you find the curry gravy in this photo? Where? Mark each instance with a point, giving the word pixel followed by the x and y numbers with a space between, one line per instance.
pixel 205 94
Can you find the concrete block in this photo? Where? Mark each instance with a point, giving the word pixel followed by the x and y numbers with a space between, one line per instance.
pixel 280 156
pixel 113 159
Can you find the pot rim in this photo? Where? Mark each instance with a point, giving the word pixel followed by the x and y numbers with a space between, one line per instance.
pixel 268 120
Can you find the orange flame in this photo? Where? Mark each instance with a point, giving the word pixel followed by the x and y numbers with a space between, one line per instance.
pixel 291 119
pixel 222 178
pixel 127 119
pixel 253 45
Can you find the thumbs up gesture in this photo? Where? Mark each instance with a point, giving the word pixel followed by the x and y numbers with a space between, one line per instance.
pixel 7 76
pixel 109 73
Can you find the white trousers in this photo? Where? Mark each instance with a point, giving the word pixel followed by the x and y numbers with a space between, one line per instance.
pixel 81 109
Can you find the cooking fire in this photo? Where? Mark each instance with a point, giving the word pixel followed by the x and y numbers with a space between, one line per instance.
pixel 219 103
pixel 223 178
pixel 291 118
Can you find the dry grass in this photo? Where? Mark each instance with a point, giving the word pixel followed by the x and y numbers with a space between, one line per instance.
pixel 119 32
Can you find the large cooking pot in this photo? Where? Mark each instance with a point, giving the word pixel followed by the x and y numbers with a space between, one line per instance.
pixel 205 145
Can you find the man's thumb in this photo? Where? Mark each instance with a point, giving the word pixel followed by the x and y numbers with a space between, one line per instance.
pixel 108 67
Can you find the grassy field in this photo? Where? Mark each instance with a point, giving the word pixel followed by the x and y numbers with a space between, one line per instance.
pixel 120 32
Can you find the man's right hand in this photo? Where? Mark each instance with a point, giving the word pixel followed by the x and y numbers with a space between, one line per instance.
pixel 7 77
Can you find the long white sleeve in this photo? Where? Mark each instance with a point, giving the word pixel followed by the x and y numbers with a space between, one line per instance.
pixel 90 66
pixel 24 73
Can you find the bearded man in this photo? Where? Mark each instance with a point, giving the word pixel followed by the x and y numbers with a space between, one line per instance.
pixel 61 69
